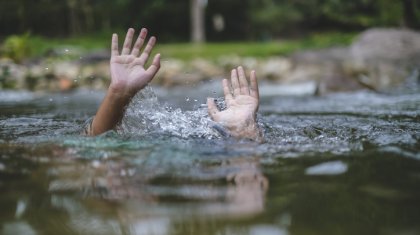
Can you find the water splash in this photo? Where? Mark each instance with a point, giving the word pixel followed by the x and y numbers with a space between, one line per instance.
pixel 146 115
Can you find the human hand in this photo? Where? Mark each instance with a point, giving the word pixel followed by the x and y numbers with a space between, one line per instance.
pixel 128 72
pixel 242 100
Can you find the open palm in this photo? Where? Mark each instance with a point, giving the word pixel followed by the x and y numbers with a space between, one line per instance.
pixel 242 99
pixel 128 72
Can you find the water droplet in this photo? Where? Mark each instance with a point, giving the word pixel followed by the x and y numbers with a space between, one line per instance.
pixel 66 50
pixel 50 99
pixel 46 68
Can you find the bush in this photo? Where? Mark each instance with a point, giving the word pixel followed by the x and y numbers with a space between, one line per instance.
pixel 16 47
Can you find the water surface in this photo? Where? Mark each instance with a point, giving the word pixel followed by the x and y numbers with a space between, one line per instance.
pixel 344 163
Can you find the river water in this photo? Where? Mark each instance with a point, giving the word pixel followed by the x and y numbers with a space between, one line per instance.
pixel 346 163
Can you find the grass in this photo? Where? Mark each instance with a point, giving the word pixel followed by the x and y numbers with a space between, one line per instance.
pixel 186 51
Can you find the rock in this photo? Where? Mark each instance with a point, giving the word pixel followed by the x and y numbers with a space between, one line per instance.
pixel 94 75
pixel 12 75
pixel 275 68
pixel 169 70
pixel 64 51
pixel 384 58
pixel 67 70
pixel 65 84
pixel 379 59
pixel 326 67
pixel 393 45
pixel 250 62
pixel 205 68
pixel 95 57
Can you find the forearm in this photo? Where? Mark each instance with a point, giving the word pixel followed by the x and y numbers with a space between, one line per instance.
pixel 110 112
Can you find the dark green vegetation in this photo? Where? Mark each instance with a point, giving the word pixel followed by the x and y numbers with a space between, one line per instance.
pixel 170 19
pixel 252 27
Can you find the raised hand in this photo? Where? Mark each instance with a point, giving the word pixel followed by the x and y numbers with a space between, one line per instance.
pixel 128 72
pixel 242 100
pixel 128 76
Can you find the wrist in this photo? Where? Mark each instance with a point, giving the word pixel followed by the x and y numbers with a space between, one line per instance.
pixel 246 129
pixel 119 92
pixel 118 97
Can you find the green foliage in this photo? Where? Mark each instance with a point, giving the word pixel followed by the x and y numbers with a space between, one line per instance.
pixel 16 47
pixel 187 51
pixel 285 17
pixel 170 19
pixel 365 13
pixel 5 82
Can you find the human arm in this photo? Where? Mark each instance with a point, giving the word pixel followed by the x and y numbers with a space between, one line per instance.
pixel 128 76
pixel 242 101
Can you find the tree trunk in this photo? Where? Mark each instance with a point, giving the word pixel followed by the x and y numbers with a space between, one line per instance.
pixel 197 21
pixel 410 19
pixel 73 17
pixel 87 10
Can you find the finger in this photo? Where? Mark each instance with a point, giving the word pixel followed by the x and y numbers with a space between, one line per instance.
pixel 243 83
pixel 235 83
pixel 212 108
pixel 254 91
pixel 226 90
pixel 146 52
pixel 139 42
pixel 114 45
pixel 155 66
pixel 127 42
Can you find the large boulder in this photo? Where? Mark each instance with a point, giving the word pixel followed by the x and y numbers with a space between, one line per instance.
pixel 379 59
pixel 392 45
pixel 326 67
pixel 384 58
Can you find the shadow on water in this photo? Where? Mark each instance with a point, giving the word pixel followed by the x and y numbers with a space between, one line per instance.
pixel 338 164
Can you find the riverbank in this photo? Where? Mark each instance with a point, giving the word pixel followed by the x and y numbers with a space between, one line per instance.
pixel 377 59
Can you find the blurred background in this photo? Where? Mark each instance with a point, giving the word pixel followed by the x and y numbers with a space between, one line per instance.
pixel 203 39
pixel 172 20
pixel 340 109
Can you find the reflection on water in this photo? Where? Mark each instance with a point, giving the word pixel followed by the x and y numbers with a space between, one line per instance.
pixel 339 164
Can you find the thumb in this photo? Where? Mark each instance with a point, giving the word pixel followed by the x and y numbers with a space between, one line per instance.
pixel 212 108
